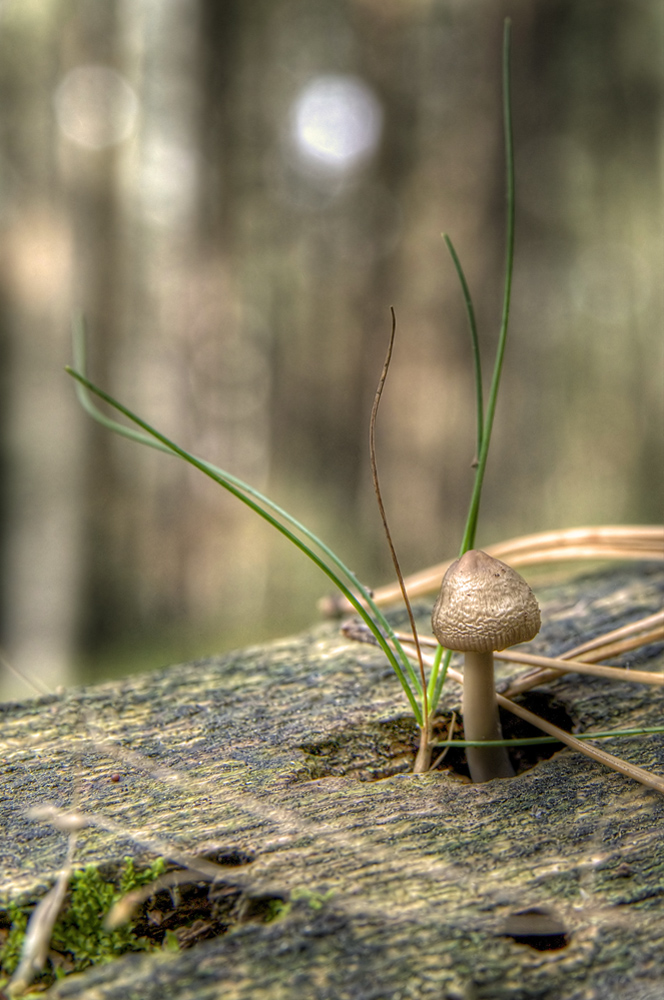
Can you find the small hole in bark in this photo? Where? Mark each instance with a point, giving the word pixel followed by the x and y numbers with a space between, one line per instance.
pixel 194 910
pixel 538 928
pixel 514 728
pixel 189 912
pixel 382 749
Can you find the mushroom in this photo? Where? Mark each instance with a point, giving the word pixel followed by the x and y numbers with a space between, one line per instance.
pixel 483 606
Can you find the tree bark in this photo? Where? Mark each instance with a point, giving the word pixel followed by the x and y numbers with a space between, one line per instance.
pixel 275 746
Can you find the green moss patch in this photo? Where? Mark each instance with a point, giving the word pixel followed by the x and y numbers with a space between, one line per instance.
pixel 79 937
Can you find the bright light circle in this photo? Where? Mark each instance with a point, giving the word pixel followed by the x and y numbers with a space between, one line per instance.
pixel 95 107
pixel 336 122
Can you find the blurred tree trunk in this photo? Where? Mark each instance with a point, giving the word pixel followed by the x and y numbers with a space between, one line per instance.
pixel 240 299
pixel 43 498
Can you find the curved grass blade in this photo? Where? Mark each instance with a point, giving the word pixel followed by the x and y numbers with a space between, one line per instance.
pixel 152 440
pixel 379 626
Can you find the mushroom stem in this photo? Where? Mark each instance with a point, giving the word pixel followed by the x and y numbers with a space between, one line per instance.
pixel 480 719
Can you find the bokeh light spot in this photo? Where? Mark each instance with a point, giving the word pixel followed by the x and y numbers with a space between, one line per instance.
pixel 336 122
pixel 95 107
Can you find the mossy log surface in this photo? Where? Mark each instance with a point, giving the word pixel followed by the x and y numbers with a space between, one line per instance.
pixel 276 747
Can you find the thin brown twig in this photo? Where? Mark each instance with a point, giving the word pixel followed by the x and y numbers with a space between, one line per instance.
pixel 423 757
pixel 638 542
pixel 600 648
pixel 36 942
pixel 448 743
pixel 594 543
pixel 555 666
pixel 634 628
pixel 609 760
pixel 625 645
pixel 560 666
pixel 642 535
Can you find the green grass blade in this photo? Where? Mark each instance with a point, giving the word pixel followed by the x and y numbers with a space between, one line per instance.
pixel 471 523
pixel 259 504
pixel 441 662
pixel 213 470
pixel 80 365
pixel 477 361
pixel 606 734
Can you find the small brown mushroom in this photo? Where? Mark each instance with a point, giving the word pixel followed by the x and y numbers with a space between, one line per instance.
pixel 483 605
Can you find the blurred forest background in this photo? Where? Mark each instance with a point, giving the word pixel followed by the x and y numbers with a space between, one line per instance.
pixel 234 192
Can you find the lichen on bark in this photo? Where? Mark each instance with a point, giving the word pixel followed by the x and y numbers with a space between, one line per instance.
pixel 418 874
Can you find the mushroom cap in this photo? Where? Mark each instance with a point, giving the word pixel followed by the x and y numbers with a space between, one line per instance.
pixel 484 605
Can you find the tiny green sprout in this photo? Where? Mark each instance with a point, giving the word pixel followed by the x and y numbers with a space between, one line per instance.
pixel 278 908
pixel 170 942
pixel 423 695
pixel 315 900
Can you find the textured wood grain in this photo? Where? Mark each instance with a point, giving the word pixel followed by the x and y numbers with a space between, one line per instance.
pixel 273 744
